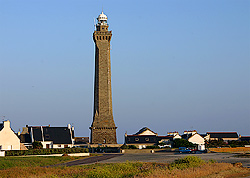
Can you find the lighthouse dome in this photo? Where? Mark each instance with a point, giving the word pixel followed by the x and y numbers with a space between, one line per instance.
pixel 102 16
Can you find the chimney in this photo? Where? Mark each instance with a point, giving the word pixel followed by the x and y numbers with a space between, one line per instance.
pixel 69 126
pixel 6 124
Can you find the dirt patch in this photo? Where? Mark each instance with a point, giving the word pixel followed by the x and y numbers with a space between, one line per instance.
pixel 231 150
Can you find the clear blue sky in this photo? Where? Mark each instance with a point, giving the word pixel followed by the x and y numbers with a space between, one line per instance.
pixel 176 65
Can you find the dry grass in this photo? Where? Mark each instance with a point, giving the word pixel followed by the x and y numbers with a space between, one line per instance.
pixel 218 170
pixel 231 150
pixel 149 170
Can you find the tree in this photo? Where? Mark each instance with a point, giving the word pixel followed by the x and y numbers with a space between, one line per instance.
pixel 180 142
pixel 216 143
pixel 37 145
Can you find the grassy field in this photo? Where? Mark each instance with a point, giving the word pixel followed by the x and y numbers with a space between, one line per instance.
pixel 20 162
pixel 188 167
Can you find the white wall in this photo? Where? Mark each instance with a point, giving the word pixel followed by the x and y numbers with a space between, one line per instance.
pixel 147 132
pixel 197 139
pixel 8 139
pixel 62 145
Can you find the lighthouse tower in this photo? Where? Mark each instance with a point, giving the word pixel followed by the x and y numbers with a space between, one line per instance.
pixel 103 129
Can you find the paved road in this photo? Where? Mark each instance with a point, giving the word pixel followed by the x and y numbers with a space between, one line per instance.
pixel 89 160
pixel 170 157
pixel 156 157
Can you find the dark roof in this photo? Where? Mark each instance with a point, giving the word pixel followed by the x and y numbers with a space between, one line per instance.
pixel 203 135
pixel 1 126
pixel 245 138
pixel 37 133
pixel 81 140
pixel 223 134
pixel 25 138
pixel 186 136
pixel 140 135
pixel 169 136
pixel 59 135
pixel 144 129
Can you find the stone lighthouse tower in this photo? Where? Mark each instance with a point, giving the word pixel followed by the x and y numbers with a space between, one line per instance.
pixel 103 129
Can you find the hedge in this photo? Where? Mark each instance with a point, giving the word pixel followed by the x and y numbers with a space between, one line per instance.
pixel 45 151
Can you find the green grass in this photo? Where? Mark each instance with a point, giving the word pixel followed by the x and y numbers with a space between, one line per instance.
pixel 186 162
pixel 9 162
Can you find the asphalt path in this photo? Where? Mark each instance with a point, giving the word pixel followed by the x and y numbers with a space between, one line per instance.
pixel 170 157
pixel 89 160
pixel 155 157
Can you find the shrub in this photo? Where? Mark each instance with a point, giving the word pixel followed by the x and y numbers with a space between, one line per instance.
pixel 132 147
pixel 186 162
pixel 152 147
pixel 128 146
pixel 182 143
pixel 46 151
pixel 124 146
pixel 37 145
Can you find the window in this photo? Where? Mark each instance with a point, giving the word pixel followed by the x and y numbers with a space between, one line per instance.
pixel 147 139
pixel 136 139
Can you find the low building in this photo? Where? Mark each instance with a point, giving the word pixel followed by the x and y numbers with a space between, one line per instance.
pixel 81 141
pixel 244 138
pixel 195 138
pixel 50 137
pixel 146 137
pixel 205 136
pixel 8 139
pixel 174 134
pixel 226 136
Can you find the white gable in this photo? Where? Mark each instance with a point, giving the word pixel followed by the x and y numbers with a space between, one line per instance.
pixel 8 139
pixel 177 137
pixel 197 139
pixel 147 132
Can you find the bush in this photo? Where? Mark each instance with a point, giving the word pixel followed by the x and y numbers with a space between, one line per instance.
pixel 182 143
pixel 186 162
pixel 128 147
pixel 45 151
pixel 152 147
pixel 37 145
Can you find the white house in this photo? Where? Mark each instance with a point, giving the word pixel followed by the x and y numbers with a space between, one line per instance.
pixel 195 138
pixel 175 135
pixel 8 138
